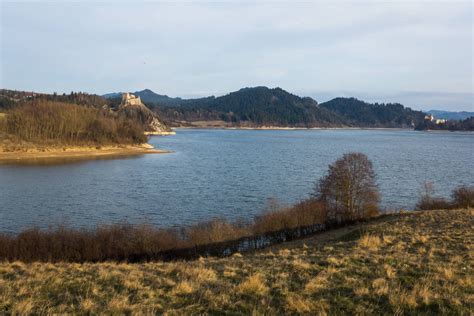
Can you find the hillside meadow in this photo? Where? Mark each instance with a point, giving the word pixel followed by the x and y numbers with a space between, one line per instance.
pixel 413 263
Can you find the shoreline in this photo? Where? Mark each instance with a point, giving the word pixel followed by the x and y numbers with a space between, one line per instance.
pixel 276 128
pixel 78 153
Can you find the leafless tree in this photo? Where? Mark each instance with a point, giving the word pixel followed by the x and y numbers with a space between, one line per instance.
pixel 349 190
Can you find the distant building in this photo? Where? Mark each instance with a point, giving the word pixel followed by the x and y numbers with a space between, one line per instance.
pixel 429 117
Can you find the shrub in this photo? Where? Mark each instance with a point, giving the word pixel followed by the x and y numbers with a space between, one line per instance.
pixel 434 203
pixel 304 213
pixel 139 242
pixel 214 231
pixel 463 196
pixel 111 242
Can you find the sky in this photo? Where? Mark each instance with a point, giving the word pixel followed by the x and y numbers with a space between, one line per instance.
pixel 418 53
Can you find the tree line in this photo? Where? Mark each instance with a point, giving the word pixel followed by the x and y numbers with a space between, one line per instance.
pixel 13 98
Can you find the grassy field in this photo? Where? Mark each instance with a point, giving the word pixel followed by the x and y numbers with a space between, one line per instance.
pixel 418 263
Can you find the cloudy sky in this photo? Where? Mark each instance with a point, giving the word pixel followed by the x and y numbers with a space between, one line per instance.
pixel 417 53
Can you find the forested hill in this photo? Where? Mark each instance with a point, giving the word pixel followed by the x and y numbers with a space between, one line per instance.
pixel 262 106
pixel 257 106
pixel 355 112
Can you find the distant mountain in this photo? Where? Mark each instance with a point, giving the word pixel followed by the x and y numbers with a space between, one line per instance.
pixel 447 115
pixel 112 95
pixel 146 96
pixel 154 99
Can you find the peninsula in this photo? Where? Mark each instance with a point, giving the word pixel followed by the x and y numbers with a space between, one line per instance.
pixel 76 126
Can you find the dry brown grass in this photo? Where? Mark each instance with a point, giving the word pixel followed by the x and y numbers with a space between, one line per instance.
pixel 297 303
pixel 380 286
pixel 370 242
pixel 183 288
pixel 379 271
pixel 253 285
pixel 318 283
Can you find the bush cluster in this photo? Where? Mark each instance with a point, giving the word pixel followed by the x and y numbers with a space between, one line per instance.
pixel 124 241
pixel 461 197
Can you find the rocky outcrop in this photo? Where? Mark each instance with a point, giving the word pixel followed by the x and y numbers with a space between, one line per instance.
pixel 132 107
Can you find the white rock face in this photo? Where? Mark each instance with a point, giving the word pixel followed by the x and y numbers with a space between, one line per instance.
pixel 133 107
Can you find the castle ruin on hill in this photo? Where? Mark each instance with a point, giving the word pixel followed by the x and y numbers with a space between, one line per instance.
pixel 133 107
pixel 130 99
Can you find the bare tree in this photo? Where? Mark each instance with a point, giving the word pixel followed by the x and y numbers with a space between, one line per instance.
pixel 349 190
pixel 428 190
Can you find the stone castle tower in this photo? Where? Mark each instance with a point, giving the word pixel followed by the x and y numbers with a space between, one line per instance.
pixel 130 99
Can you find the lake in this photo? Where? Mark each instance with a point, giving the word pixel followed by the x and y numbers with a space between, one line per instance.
pixel 226 173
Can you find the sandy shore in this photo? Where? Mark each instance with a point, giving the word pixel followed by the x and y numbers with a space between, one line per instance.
pixel 68 153
pixel 160 133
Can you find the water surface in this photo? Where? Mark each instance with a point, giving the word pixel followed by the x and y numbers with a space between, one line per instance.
pixel 226 173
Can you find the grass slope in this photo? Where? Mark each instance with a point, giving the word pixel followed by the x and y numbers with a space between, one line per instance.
pixel 418 263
